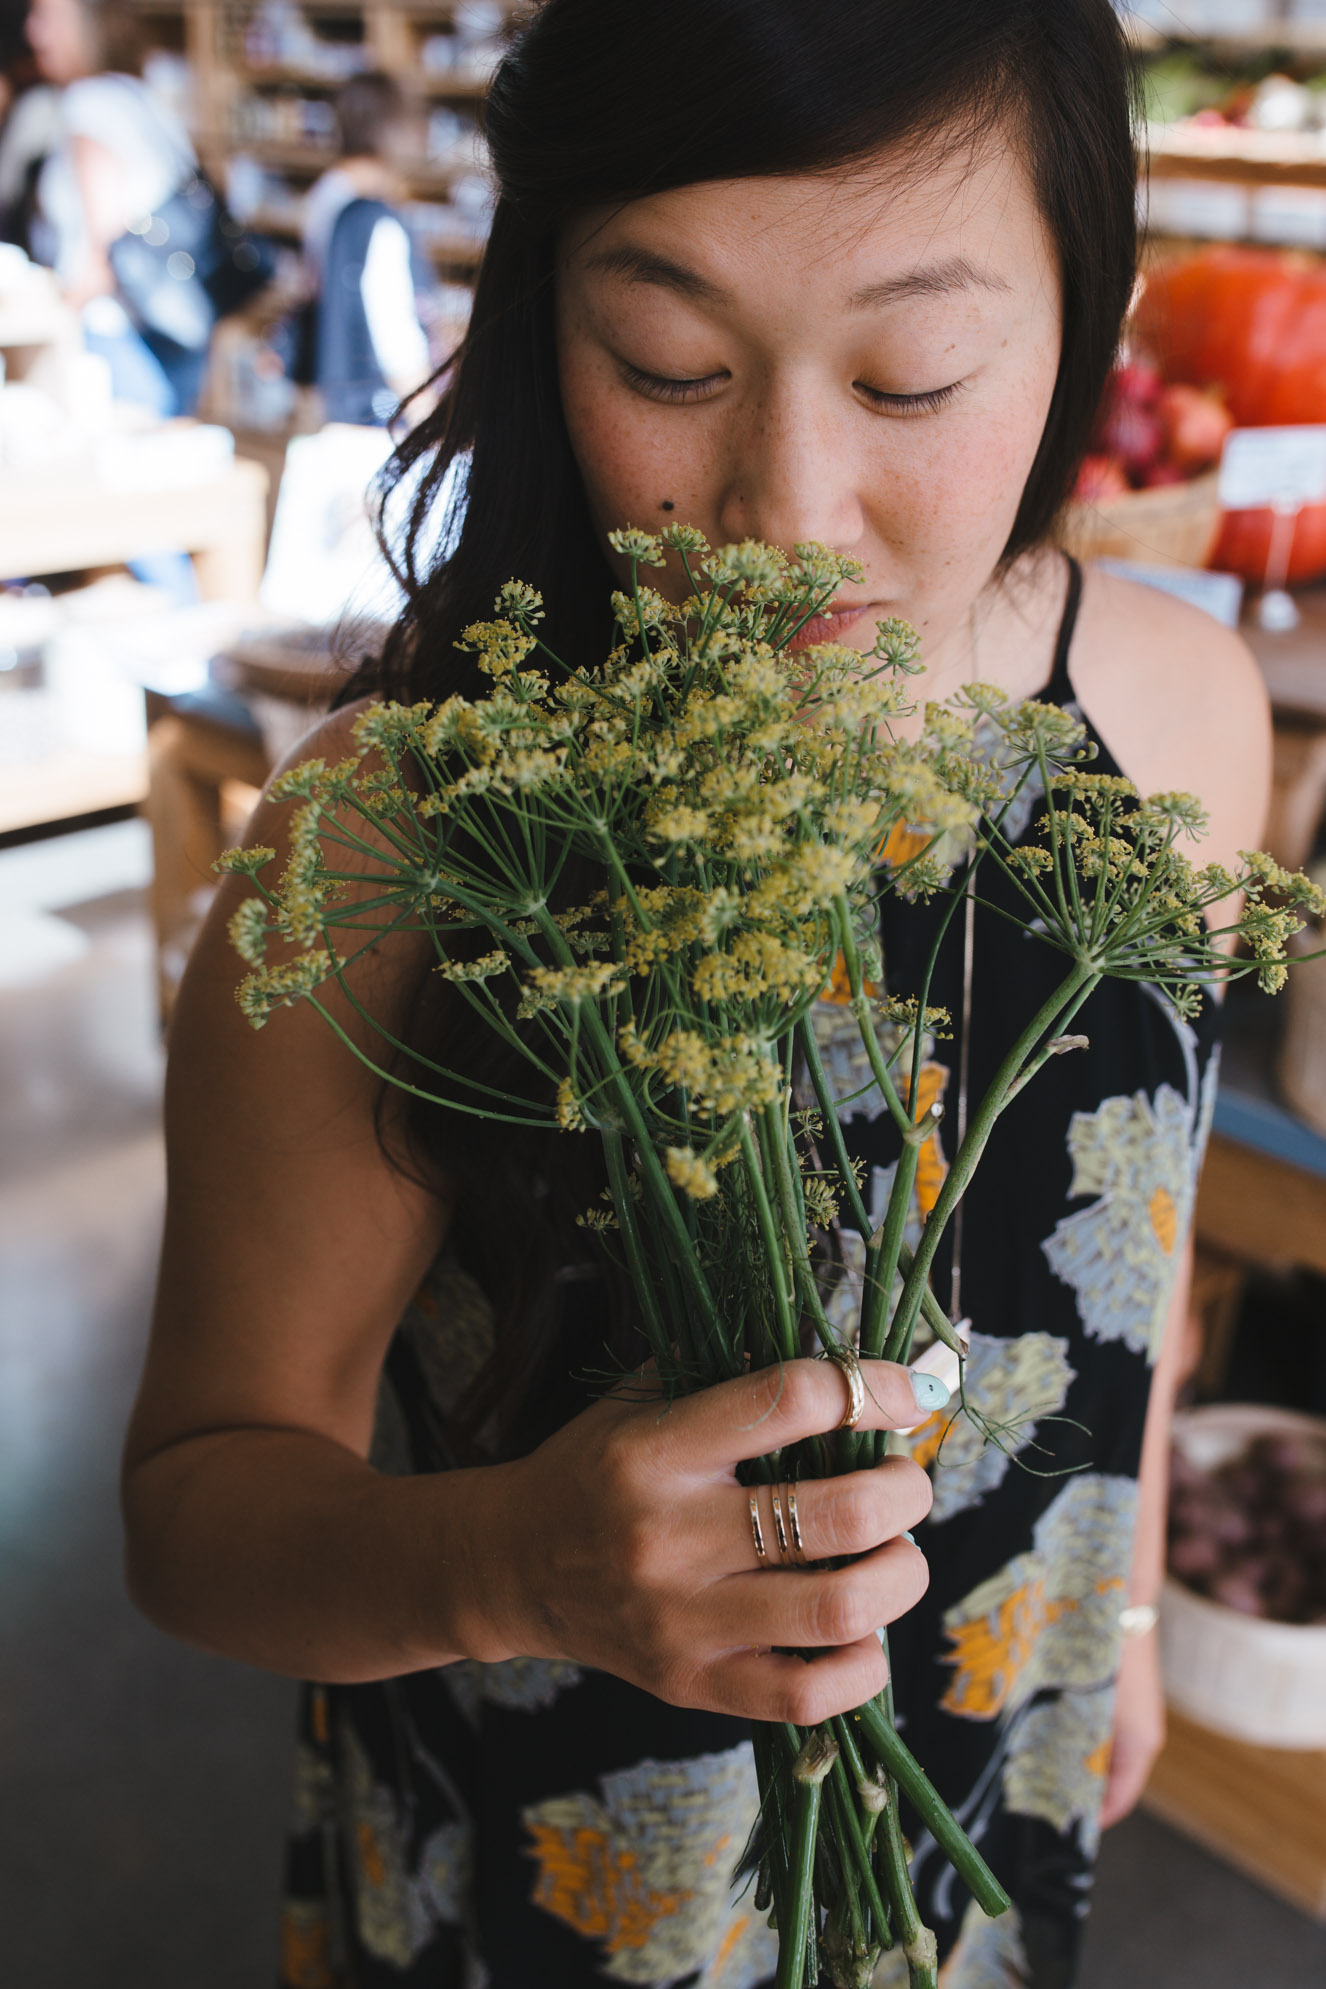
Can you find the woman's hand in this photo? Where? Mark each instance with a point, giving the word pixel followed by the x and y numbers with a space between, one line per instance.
pixel 625 1542
pixel 1139 1728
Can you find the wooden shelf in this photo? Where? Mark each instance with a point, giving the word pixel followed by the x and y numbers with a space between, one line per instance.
pixel 69 782
pixel 1255 158
pixel 1294 37
pixel 223 76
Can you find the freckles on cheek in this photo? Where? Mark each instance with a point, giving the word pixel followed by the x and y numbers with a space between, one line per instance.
pixel 627 469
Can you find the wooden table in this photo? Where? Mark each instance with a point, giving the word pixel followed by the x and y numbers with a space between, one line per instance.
pixel 61 520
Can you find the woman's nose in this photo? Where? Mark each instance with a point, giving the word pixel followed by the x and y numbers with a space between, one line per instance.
pixel 789 476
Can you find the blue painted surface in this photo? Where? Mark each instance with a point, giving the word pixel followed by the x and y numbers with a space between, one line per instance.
pixel 1268 1128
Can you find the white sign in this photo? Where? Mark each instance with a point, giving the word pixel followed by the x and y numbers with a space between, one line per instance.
pixel 1283 467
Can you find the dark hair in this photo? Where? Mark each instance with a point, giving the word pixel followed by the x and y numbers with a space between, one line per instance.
pixel 598 104
pixel 371 110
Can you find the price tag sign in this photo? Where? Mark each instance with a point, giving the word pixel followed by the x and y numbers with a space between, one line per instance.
pixel 1284 468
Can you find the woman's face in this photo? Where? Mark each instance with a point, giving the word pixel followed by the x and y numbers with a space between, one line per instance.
pixel 57 35
pixel 866 361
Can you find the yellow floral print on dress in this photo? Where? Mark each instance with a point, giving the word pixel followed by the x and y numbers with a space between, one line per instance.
pixel 646 1869
pixel 1050 1618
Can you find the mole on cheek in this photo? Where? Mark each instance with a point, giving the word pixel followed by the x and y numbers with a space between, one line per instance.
pixel 667 505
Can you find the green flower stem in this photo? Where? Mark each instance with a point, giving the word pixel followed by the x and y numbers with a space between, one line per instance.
pixel 657 1185
pixel 1084 976
pixel 765 1739
pixel 771 1241
pixel 873 1323
pixel 813 1763
pixel 842 1814
pixel 934 1315
pixel 854 1836
pixel 619 1183
pixel 918 1942
pixel 794 1229
pixel 902 1766
pixel 417 1091
pixel 861 1010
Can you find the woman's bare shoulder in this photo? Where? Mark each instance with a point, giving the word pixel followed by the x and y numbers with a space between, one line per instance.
pixel 1179 701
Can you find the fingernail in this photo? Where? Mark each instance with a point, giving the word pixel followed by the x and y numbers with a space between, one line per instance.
pixel 929 1391
pixel 911 1537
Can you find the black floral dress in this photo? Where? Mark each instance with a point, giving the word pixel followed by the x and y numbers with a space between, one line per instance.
pixel 533 1825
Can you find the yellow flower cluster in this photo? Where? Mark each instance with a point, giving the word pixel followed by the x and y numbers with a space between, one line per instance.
pixel 483 969
pixel 547 987
pixel 281 987
pixel 758 965
pixel 690 1172
pixel 248 931
pixel 721 1076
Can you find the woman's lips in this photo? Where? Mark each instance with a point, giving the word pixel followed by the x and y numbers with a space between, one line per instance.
pixel 834 626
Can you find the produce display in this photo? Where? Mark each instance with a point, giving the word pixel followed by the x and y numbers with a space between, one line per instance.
pixel 1151 432
pixel 1185 87
pixel 1251 1534
pixel 1250 323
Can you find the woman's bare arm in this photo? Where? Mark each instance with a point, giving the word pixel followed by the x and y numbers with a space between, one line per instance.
pixel 292 1246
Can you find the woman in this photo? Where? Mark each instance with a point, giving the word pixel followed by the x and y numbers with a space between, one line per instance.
pixel 121 156
pixel 369 350
pixel 853 273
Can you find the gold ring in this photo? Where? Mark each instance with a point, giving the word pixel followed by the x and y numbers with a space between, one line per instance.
pixel 779 1526
pixel 798 1551
pixel 757 1531
pixel 844 1358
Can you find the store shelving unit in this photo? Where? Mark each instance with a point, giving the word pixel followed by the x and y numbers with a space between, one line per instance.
pixel 1230 155
pixel 249 98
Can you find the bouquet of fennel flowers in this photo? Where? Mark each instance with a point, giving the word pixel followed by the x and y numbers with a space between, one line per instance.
pixel 735 801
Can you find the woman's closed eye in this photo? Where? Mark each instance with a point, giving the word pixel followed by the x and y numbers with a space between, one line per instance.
pixel 662 387
pixel 927 403
pixel 667 387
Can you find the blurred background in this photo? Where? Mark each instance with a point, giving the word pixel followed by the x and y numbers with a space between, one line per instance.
pixel 233 239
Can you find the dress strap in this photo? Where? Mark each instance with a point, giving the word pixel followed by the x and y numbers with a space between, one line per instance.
pixel 1059 690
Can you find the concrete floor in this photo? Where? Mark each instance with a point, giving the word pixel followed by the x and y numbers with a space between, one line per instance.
pixel 144 1784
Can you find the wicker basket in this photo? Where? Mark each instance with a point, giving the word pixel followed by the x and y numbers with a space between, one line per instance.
pixel 1174 525
pixel 1241 1675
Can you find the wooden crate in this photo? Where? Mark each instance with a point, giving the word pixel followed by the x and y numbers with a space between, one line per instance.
pixel 1262 1809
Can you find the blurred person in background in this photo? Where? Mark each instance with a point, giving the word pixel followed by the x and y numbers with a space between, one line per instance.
pixel 119 155
pixel 29 125
pixel 366 349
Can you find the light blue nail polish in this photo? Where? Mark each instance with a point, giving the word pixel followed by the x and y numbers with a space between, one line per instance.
pixel 929 1391
pixel 911 1537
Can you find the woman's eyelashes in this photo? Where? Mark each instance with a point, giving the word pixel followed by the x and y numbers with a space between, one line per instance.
pixel 664 387
pixel 927 403
pixel 659 387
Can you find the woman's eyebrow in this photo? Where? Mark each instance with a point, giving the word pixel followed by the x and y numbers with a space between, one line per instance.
pixel 934 280
pixel 639 265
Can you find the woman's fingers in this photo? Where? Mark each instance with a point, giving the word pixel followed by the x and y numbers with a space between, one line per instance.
pixel 827 1607
pixel 776 1406
pixel 763 1685
pixel 834 1516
